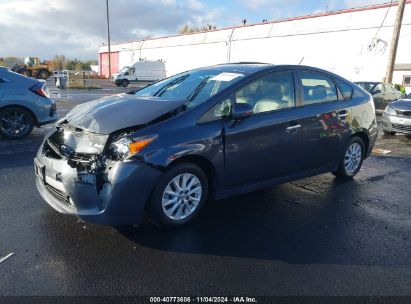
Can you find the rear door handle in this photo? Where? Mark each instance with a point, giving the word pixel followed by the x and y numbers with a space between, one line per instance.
pixel 292 129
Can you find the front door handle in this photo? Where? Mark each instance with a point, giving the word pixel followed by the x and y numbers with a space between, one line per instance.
pixel 342 114
pixel 292 129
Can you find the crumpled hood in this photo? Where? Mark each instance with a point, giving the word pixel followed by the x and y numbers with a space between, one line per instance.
pixel 402 104
pixel 121 111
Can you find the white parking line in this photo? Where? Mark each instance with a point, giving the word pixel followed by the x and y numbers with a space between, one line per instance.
pixel 6 257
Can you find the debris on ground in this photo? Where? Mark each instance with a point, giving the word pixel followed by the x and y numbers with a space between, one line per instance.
pixel 381 151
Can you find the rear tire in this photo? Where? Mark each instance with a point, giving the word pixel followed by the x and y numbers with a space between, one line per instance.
pixel 124 83
pixel 179 196
pixel 43 74
pixel 15 122
pixel 351 159
pixel 388 132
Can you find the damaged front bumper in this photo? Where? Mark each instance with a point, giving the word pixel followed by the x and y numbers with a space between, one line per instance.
pixel 115 195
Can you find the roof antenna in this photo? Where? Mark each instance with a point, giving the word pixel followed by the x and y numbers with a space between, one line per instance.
pixel 302 59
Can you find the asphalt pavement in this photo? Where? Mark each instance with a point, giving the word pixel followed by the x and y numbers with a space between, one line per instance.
pixel 316 236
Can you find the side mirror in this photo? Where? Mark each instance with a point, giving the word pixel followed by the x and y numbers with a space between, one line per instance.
pixel 241 111
pixel 376 92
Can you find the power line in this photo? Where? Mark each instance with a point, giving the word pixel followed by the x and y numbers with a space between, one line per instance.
pixel 385 17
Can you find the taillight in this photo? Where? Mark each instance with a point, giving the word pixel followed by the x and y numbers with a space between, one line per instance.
pixel 40 89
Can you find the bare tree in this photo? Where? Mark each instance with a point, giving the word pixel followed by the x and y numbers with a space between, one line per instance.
pixel 186 29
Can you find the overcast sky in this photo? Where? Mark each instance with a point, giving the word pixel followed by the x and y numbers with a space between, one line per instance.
pixel 77 28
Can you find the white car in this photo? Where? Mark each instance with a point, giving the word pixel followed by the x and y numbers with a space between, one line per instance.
pixel 397 118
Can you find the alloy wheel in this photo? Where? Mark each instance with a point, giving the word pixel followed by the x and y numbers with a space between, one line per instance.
pixel 182 196
pixel 14 123
pixel 352 158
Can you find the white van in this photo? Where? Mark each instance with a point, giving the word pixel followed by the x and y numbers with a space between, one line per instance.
pixel 143 70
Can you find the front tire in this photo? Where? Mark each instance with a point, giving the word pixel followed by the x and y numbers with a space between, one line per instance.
pixel 124 83
pixel 25 72
pixel 351 159
pixel 15 123
pixel 179 196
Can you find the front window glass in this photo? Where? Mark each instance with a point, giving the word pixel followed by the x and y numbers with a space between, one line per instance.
pixel 125 69
pixel 379 87
pixel 194 86
pixel 220 110
pixel 272 92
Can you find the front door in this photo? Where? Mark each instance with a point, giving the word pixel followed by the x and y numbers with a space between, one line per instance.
pixel 2 87
pixel 266 145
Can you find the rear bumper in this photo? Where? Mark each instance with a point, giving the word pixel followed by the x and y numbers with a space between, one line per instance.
pixel 398 124
pixel 42 123
pixel 48 114
pixel 116 197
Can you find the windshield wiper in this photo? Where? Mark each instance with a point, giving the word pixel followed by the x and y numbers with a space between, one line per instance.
pixel 160 92
pixel 198 89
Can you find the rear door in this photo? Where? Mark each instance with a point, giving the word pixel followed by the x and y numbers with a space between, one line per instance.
pixel 325 123
pixel 266 145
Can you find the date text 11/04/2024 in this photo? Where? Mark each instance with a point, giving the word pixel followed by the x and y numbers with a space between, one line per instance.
pixel 203 300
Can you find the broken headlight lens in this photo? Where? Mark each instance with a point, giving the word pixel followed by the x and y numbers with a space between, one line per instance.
pixel 126 147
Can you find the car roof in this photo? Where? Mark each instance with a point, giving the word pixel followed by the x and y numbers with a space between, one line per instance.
pixel 248 68
pixel 244 68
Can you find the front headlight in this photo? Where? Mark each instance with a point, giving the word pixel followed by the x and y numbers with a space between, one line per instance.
pixel 390 111
pixel 127 146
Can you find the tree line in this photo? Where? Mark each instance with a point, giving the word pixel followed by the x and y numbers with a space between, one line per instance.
pixel 59 62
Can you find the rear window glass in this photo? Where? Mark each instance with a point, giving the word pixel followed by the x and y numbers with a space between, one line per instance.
pixel 345 89
pixel 317 88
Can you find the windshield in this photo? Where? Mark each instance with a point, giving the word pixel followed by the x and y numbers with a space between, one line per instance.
pixel 368 86
pixel 125 69
pixel 194 86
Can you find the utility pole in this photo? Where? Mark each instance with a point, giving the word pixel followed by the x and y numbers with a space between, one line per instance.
pixel 394 41
pixel 109 44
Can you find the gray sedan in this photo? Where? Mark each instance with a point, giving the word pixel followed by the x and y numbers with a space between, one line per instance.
pixel 397 117
pixel 24 103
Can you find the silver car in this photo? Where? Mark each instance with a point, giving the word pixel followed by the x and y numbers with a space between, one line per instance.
pixel 397 117
pixel 24 103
